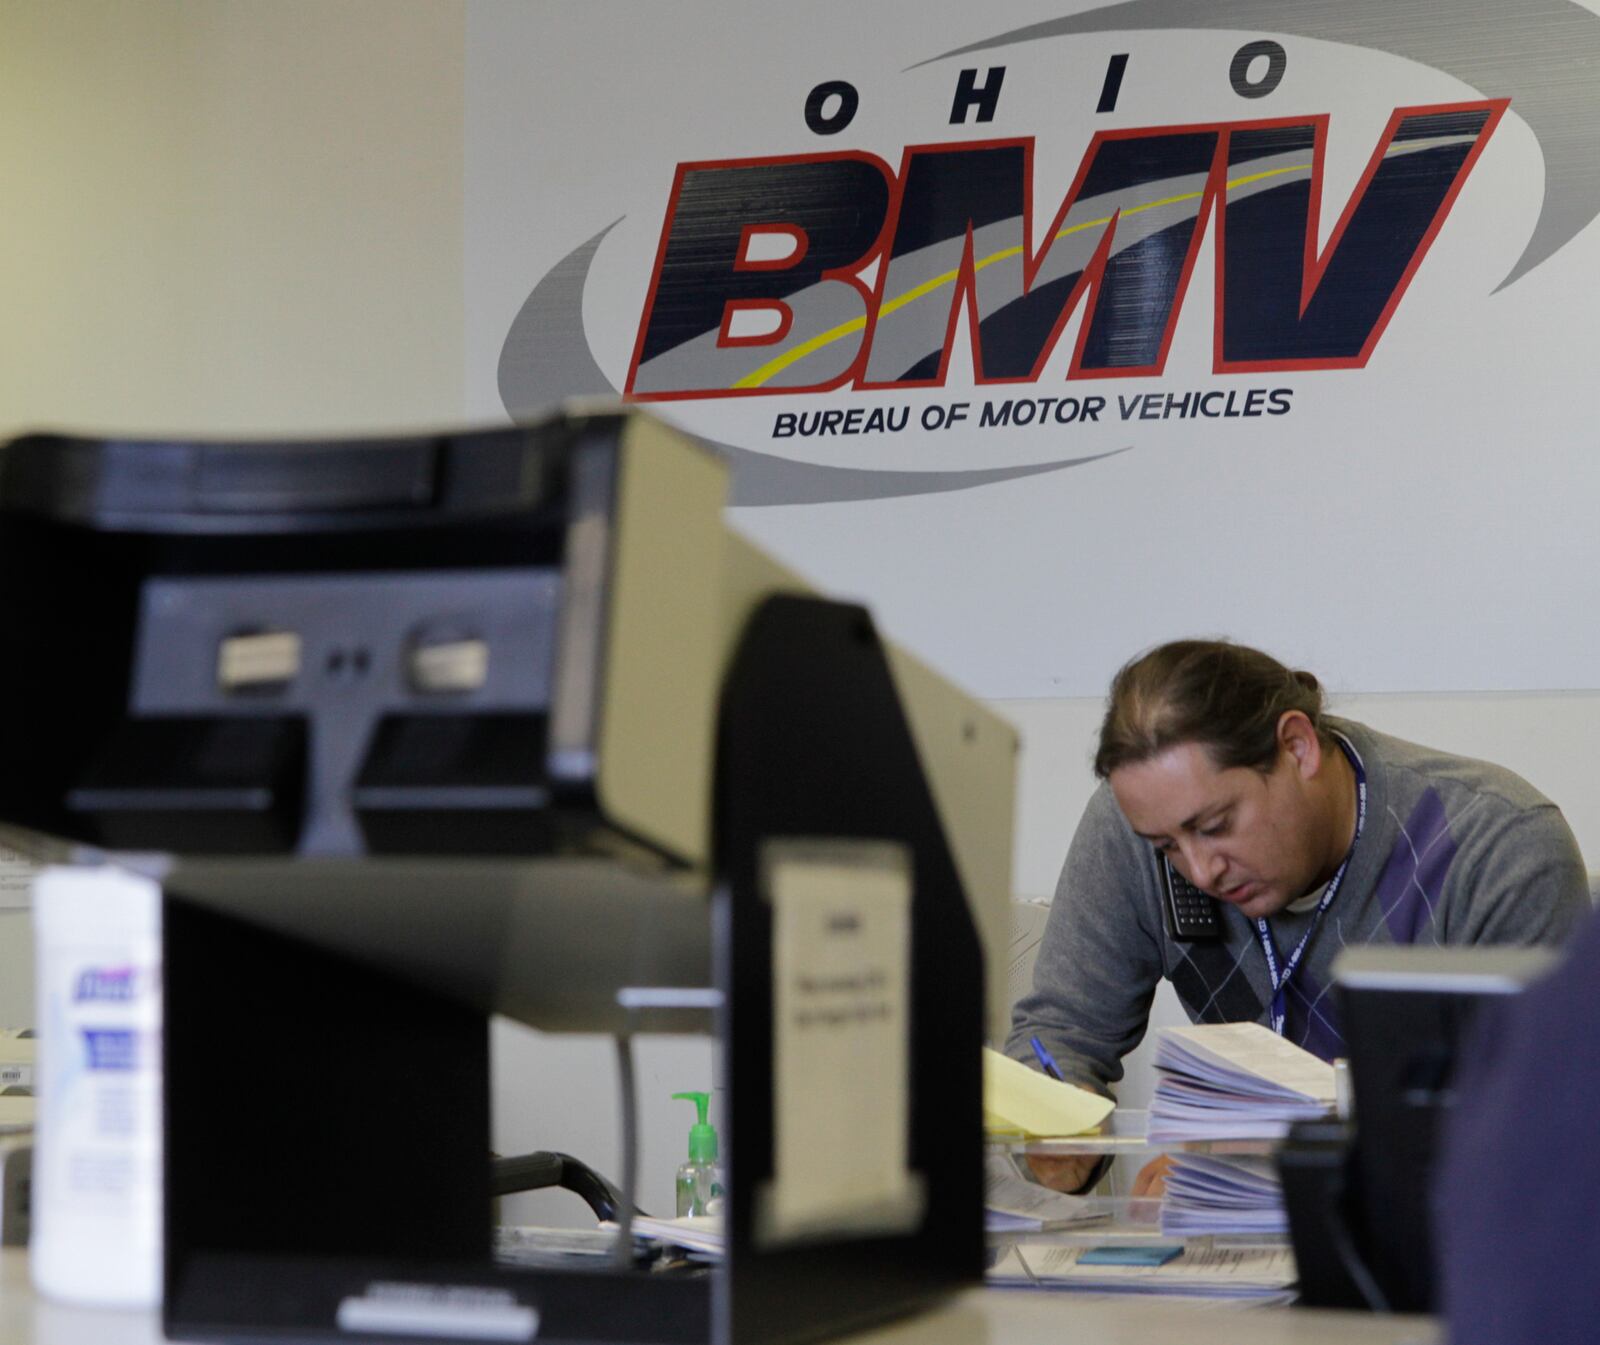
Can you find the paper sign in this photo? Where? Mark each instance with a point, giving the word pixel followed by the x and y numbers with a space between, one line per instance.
pixel 841 949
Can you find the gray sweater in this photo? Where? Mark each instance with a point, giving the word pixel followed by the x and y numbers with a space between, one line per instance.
pixel 1454 851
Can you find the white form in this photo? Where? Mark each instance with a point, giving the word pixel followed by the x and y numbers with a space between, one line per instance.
pixel 1218 1272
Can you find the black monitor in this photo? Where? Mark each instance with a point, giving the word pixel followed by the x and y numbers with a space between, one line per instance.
pixel 1361 1195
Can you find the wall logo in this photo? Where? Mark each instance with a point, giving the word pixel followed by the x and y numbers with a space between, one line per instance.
pixel 950 236
pixel 845 297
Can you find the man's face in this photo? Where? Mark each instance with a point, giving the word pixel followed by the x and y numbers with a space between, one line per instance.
pixel 1246 837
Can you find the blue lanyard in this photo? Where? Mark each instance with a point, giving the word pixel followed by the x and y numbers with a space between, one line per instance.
pixel 1280 979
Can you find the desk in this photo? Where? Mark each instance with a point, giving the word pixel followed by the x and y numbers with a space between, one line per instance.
pixel 978 1317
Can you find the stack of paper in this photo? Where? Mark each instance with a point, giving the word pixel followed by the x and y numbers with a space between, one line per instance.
pixel 695 1233
pixel 1210 1272
pixel 1013 1204
pixel 1210 1194
pixel 534 1245
pixel 1234 1081
pixel 1023 1102
pixel 16 1058
pixel 531 1245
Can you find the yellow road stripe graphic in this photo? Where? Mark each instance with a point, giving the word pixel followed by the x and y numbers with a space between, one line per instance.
pixel 756 377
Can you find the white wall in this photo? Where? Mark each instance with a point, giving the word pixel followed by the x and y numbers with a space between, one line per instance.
pixel 1552 739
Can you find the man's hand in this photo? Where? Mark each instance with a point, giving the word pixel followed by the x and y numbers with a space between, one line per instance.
pixel 1069 1173
pixel 1152 1178
pixel 1063 1172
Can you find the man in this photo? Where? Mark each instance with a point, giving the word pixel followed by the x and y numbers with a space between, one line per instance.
pixel 1310 832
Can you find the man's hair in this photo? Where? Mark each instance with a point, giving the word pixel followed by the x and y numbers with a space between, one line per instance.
pixel 1228 698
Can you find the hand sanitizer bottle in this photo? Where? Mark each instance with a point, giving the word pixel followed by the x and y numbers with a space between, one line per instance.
pixel 699 1180
pixel 97 1158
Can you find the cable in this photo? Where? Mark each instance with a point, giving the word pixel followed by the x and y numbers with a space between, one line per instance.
pixel 622 1249
pixel 1354 1264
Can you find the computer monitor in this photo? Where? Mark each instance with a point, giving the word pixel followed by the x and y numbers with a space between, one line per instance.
pixel 1363 1234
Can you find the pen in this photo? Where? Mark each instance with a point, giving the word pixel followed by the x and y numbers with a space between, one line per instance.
pixel 1046 1059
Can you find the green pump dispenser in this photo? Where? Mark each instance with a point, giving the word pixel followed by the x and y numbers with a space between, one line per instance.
pixel 702 1134
pixel 699 1189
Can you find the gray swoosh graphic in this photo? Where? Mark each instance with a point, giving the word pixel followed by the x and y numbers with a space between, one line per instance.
pixel 546 355
pixel 1543 53
pixel 546 358
pixel 763 478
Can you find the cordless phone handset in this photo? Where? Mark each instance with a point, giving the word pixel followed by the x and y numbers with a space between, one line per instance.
pixel 1191 916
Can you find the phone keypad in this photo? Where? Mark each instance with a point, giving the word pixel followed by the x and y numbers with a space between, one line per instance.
pixel 1194 909
pixel 1191 914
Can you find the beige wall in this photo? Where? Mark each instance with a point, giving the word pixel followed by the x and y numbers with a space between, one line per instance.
pixel 228 216
pixel 223 217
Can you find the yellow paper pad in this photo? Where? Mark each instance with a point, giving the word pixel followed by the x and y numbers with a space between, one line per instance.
pixel 1019 1098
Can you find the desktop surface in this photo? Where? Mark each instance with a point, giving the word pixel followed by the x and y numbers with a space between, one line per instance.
pixel 977 1317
